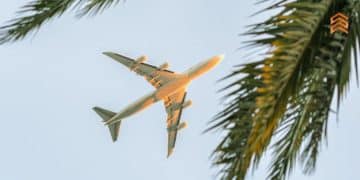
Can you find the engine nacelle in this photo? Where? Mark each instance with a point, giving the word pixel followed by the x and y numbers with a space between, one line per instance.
pixel 182 126
pixel 164 66
pixel 187 104
pixel 141 59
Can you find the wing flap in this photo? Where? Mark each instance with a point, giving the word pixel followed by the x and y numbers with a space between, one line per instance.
pixel 174 108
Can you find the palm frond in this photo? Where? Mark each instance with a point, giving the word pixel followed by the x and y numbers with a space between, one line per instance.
pixel 307 114
pixel 288 93
pixel 93 7
pixel 34 14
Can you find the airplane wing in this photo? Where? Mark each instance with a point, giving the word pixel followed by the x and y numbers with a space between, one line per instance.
pixel 174 106
pixel 154 75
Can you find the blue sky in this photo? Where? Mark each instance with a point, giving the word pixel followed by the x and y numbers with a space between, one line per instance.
pixel 50 82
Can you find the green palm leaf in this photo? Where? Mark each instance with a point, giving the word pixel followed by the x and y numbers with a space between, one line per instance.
pixel 289 93
pixel 34 14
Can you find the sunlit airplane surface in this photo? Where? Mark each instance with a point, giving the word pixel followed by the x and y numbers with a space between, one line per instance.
pixel 170 88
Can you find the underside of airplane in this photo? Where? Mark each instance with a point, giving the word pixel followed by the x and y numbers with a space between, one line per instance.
pixel 170 89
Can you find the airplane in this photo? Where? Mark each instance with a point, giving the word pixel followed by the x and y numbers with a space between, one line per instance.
pixel 170 88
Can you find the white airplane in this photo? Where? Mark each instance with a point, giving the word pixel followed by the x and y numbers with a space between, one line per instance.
pixel 170 88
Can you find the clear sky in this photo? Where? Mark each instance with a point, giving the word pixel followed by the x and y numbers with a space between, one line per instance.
pixel 50 82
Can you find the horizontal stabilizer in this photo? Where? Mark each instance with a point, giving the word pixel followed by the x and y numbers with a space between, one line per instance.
pixel 103 113
pixel 106 115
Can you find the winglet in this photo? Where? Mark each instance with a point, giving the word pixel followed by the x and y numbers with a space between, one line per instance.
pixel 170 151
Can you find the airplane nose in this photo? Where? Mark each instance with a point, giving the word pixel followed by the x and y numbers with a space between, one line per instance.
pixel 220 57
pixel 217 59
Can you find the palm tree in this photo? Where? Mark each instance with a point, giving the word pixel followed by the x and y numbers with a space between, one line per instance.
pixel 280 102
pixel 288 94
pixel 37 12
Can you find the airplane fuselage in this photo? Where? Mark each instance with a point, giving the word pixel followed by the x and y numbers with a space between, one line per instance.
pixel 167 89
pixel 153 97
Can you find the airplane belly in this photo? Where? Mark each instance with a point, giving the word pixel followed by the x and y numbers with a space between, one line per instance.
pixel 147 100
pixel 171 88
pixel 138 106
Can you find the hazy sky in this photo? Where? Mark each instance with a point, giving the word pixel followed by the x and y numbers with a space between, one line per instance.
pixel 50 82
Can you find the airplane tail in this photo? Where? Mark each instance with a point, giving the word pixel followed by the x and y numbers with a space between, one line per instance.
pixel 106 115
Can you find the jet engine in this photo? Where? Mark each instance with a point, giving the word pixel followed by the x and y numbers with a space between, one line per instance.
pixel 182 126
pixel 141 59
pixel 164 66
pixel 187 104
pixel 138 61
